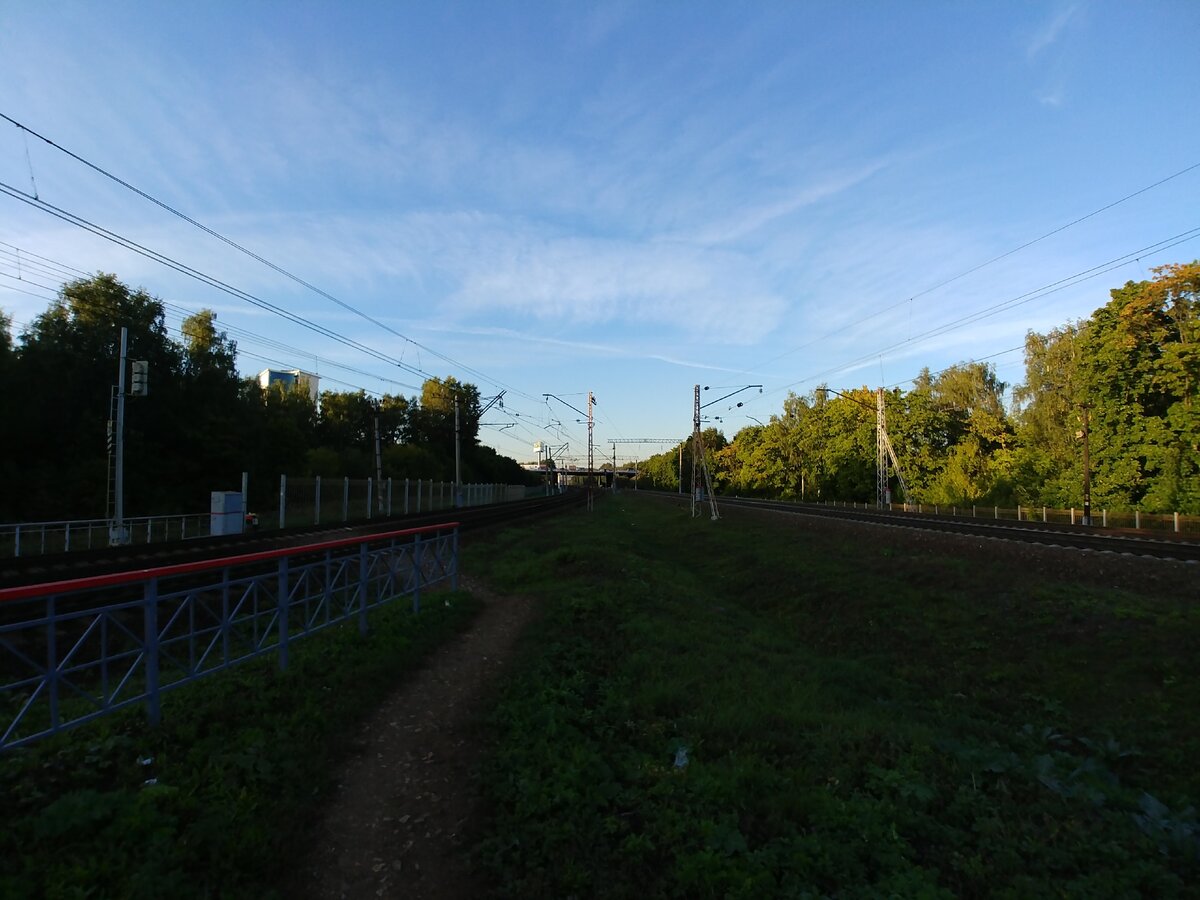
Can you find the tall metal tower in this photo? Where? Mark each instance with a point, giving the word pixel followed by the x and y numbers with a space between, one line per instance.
pixel 884 453
pixel 701 479
pixel 591 465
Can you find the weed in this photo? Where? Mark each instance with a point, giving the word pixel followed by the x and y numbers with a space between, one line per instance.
pixel 208 803
pixel 728 711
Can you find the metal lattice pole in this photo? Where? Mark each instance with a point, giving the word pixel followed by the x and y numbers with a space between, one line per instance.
pixel 591 466
pixel 697 451
pixel 881 461
pixel 701 477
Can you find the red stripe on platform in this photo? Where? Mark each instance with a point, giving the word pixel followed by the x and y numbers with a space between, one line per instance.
pixel 92 582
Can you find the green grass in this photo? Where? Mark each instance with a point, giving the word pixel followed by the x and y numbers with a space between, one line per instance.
pixel 241 765
pixel 856 722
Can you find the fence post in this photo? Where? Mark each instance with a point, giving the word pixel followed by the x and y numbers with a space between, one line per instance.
pixel 345 498
pixel 1176 522
pixel 370 496
pixel 282 598
pixel 1072 515
pixel 317 503
pixel 328 592
pixel 225 648
pixel 282 499
pixel 1104 518
pixel 406 496
pixel 418 496
pixel 1043 515
pixel 150 649
pixel 362 588
pixel 52 659
pixel 1137 518
pixel 454 560
pixel 389 497
pixel 416 606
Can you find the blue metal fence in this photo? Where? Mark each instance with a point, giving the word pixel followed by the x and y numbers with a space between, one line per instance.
pixel 73 651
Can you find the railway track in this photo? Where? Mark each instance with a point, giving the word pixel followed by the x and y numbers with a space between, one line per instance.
pixel 15 572
pixel 1077 537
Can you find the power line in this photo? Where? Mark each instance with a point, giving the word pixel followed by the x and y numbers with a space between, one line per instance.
pixel 957 365
pixel 51 266
pixel 255 256
pixel 994 259
pixel 209 280
pixel 1013 302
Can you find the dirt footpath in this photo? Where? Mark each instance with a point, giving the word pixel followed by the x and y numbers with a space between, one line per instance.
pixel 394 827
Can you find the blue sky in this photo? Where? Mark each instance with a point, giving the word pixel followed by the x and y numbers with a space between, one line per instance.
pixel 626 198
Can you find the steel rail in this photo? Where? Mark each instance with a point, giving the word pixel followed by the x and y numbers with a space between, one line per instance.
pixel 130 576
pixel 15 572
pixel 1081 537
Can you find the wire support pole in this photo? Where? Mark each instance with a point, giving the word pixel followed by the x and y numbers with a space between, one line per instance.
pixel 881 462
pixel 116 531
pixel 591 433
pixel 591 462
pixel 458 500
pixel 884 451
pixel 701 477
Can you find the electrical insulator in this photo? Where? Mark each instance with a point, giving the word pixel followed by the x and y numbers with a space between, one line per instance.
pixel 140 385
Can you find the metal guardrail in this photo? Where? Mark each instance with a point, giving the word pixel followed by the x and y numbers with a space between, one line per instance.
pixel 1175 522
pixel 63 536
pixel 72 651
pixel 301 502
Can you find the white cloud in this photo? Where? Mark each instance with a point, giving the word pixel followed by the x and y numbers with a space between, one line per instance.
pixel 588 281
pixel 743 222
pixel 1051 30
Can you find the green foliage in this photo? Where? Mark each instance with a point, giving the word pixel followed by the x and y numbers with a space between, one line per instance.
pixel 1129 376
pixel 728 711
pixel 1131 372
pixel 217 800
pixel 200 427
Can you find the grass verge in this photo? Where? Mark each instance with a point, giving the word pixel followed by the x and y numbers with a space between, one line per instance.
pixel 215 801
pixel 748 709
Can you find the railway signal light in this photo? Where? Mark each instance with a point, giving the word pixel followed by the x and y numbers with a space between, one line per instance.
pixel 140 385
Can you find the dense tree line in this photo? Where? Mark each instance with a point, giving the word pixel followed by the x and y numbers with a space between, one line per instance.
pixel 1129 376
pixel 201 425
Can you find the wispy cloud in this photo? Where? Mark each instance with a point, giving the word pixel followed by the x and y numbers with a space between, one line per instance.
pixel 748 220
pixel 1051 30
pixel 589 281
pixel 1051 95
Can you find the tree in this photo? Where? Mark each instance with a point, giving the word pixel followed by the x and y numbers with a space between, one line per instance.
pixel 1140 366
pixel 346 426
pixel 62 387
pixel 972 432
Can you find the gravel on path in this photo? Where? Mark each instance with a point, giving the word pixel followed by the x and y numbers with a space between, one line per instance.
pixel 395 825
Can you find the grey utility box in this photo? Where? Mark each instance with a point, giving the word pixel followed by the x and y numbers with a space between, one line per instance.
pixel 226 513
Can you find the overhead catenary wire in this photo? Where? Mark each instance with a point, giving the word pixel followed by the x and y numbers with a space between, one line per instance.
pixel 177 314
pixel 57 268
pixel 1010 303
pixel 258 257
pixel 973 269
pixel 957 365
pixel 204 278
